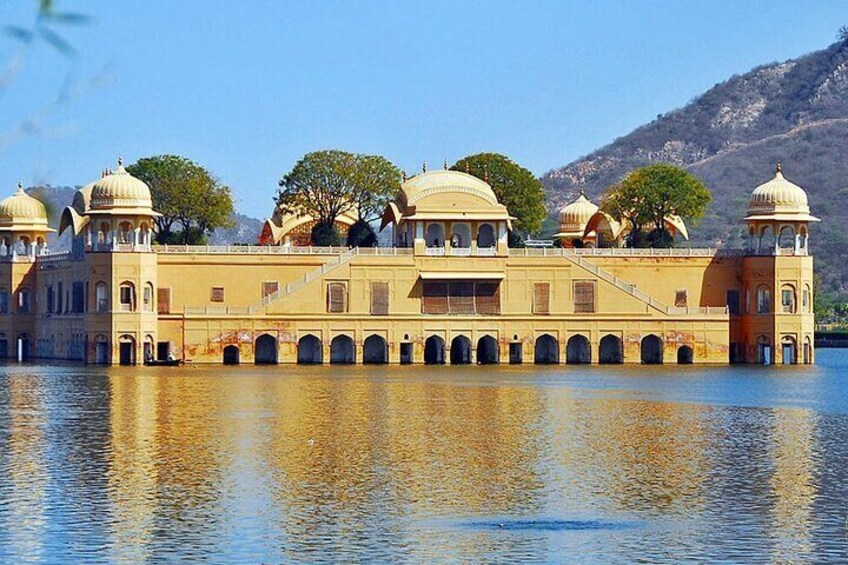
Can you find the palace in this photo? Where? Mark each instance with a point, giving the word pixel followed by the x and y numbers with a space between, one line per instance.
pixel 448 289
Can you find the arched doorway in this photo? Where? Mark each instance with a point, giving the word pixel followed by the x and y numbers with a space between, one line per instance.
pixel 763 350
pixel 101 350
pixel 652 350
pixel 434 350
pixel 231 355
pixel 487 351
pixel 266 350
pixel 789 351
pixel 460 352
pixel 342 351
pixel 685 355
pixel 578 351
pixel 126 350
pixel 309 351
pixel 547 350
pixel 375 350
pixel 23 347
pixel 610 351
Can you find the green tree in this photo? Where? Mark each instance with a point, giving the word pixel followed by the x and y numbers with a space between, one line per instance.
pixel 327 184
pixel 185 194
pixel 516 188
pixel 649 195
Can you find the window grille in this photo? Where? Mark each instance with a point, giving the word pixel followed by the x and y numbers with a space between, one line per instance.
pixel 379 298
pixel 163 300
pixel 542 298
pixel 217 294
pixel 584 297
pixel 337 297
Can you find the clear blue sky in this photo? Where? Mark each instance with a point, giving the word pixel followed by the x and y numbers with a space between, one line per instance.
pixel 246 88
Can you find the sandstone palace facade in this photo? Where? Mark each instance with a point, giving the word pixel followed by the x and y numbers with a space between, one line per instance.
pixel 448 289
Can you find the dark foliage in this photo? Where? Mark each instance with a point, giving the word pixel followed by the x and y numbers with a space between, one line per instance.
pixel 361 234
pixel 324 235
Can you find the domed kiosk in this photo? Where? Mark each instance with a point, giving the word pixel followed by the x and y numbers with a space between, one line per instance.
pixel 23 225
pixel 448 213
pixel 573 218
pixel 113 213
pixel 778 217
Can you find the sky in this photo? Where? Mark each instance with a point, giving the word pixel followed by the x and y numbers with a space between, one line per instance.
pixel 246 88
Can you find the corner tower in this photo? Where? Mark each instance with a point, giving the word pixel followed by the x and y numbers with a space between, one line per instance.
pixel 777 322
pixel 112 222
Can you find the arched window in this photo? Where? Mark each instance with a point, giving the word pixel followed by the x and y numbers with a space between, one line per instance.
pixel 806 300
pixel 461 235
pixel 24 301
pixel 101 296
pixel 787 299
pixel 148 297
pixel 763 299
pixel 127 296
pixel 485 236
pixel 766 240
pixel 144 234
pixel 435 236
pixel 802 240
pixel 787 237
pixel 103 233
pixel 789 350
pixel 124 231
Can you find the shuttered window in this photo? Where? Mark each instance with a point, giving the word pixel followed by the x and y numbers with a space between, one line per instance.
pixel 336 297
pixel 163 300
pixel 461 298
pixel 487 298
pixel 681 298
pixel 217 294
pixel 435 298
pixel 269 288
pixel 542 298
pixel 584 297
pixel 379 298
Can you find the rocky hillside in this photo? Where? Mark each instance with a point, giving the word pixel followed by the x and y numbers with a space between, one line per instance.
pixel 795 112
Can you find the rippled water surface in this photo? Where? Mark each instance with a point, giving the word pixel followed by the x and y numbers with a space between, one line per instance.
pixel 281 464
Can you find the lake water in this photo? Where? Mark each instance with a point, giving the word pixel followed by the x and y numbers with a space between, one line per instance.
pixel 411 464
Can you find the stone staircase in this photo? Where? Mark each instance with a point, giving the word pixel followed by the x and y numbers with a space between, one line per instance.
pixel 329 266
pixel 631 289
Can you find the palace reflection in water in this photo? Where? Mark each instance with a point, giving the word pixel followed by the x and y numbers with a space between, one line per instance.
pixel 420 464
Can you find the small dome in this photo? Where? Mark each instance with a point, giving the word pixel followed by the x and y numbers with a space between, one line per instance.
pixel 573 217
pixel 21 210
pixel 778 196
pixel 120 189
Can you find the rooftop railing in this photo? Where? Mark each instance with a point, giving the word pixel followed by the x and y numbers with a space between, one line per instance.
pixel 276 250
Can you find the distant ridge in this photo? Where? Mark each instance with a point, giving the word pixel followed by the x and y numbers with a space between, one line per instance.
pixel 795 112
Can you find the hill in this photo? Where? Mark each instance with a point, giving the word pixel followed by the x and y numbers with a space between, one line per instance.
pixel 795 112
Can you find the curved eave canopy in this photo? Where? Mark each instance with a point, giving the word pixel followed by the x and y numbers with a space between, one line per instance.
pixel 595 221
pixel 71 218
pixel 25 227
pixel 123 212
pixel 676 224
pixel 393 215
pixel 782 218
pixel 570 235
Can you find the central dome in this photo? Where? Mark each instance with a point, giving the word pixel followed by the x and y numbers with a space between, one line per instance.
pixel 442 182
pixel 120 189
pixel 778 196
